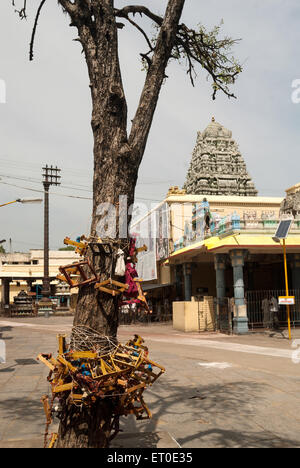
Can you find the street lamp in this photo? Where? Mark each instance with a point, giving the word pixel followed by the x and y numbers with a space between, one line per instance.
pixel 23 201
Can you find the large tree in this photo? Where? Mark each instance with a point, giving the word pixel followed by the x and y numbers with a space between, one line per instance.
pixel 118 152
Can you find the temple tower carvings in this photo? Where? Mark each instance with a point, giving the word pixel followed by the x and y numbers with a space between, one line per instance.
pixel 217 166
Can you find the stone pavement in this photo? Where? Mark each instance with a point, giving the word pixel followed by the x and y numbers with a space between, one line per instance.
pixel 218 391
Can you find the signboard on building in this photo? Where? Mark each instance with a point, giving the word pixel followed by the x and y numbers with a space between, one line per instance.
pixel 162 232
pixel 286 300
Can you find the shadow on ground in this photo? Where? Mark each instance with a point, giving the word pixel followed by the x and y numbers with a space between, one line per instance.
pixel 217 415
pixel 19 362
pixel 23 411
pixel 4 330
pixel 208 416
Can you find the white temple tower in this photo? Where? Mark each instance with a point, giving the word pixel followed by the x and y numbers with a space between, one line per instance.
pixel 217 166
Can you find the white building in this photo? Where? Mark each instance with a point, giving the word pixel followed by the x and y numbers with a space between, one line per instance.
pixel 25 271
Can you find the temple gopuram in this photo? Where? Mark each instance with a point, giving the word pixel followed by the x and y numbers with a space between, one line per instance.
pixel 217 166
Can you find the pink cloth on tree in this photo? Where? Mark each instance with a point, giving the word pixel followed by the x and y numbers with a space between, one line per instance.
pixel 130 274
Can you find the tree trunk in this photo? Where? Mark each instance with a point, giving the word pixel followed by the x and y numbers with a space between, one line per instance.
pixel 116 163
pixel 90 427
pixel 115 176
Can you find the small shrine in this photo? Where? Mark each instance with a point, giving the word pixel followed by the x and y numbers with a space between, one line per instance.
pixel 217 167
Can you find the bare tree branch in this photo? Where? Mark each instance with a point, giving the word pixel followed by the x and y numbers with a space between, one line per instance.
pixel 69 7
pixel 34 29
pixel 156 73
pixel 124 12
pixel 200 47
pixel 22 12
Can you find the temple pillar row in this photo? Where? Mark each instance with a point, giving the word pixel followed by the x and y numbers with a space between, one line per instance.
pixel 240 321
pixel 220 267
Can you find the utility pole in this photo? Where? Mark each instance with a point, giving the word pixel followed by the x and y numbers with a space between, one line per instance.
pixel 50 177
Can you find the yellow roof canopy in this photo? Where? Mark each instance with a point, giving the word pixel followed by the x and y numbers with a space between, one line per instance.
pixel 254 242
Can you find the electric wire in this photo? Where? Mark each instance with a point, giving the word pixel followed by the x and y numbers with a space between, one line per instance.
pixel 66 195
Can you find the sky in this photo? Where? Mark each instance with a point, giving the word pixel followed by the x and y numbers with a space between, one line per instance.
pixel 47 113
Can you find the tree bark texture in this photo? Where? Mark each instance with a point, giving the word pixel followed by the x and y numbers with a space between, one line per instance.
pixel 90 427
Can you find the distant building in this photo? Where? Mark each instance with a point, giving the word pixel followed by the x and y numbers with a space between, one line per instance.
pixel 24 272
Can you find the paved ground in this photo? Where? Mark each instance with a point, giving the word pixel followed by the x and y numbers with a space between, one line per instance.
pixel 218 391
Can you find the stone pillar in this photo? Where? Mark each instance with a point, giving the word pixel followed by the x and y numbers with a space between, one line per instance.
pixel 178 276
pixel 220 267
pixel 5 291
pixel 240 320
pixel 294 261
pixel 187 274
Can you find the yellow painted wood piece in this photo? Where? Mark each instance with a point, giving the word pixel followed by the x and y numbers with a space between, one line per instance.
pixel 81 247
pixel 139 341
pixel 61 343
pixel 122 355
pixel 113 292
pixel 144 248
pixel 103 368
pixel 136 387
pixel 83 355
pixel 109 368
pixel 47 409
pixel 122 382
pixel 46 362
pixel 67 364
pixel 112 287
pixel 154 364
pixel 76 396
pixel 116 368
pixel 61 278
pixel 71 271
pixel 125 363
pixel 63 388
pixel 53 440
pixel 54 362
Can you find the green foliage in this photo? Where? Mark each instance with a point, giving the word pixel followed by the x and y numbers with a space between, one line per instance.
pixel 68 248
pixel 207 49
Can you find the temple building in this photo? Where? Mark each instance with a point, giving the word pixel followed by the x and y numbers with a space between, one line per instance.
pixel 215 257
pixel 217 166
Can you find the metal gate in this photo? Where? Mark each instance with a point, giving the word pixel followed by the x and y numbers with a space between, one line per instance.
pixel 131 315
pixel 223 314
pixel 254 301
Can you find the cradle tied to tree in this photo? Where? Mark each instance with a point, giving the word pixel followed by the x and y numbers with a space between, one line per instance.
pixel 80 377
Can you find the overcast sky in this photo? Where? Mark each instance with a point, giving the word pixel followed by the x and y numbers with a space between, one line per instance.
pixel 46 118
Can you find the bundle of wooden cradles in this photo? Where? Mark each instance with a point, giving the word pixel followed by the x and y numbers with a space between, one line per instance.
pixel 121 282
pixel 107 370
